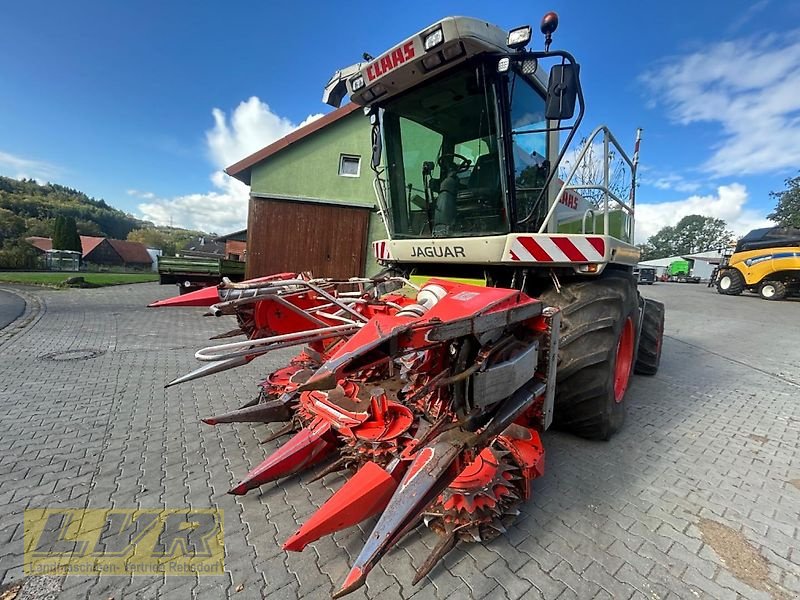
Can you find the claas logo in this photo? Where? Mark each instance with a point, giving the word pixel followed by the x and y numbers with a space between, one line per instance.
pixel 570 200
pixel 123 541
pixel 390 60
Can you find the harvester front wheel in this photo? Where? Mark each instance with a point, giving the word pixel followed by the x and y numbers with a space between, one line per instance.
pixel 596 353
pixel 772 290
pixel 650 338
pixel 730 282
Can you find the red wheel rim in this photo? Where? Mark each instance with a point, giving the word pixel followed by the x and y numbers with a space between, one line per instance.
pixel 622 369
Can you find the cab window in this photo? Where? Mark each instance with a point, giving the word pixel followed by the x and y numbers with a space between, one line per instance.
pixel 529 147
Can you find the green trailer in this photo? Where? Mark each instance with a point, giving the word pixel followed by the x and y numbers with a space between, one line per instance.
pixel 681 271
pixel 192 273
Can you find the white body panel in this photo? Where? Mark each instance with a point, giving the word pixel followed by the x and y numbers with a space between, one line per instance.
pixel 517 249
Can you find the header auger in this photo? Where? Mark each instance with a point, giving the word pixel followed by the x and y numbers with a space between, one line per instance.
pixel 433 398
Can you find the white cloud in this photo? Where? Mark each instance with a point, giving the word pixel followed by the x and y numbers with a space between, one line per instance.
pixel 251 126
pixel 25 168
pixel 748 15
pixel 728 203
pixel 219 211
pixel 749 88
pixel 140 194
pixel 670 181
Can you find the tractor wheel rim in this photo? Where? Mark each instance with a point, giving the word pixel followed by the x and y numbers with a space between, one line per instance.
pixel 725 282
pixel 622 368
pixel 768 291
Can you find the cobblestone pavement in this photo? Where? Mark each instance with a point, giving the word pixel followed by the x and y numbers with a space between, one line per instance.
pixel 712 439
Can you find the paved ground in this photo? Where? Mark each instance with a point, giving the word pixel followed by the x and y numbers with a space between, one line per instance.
pixel 697 497
pixel 11 307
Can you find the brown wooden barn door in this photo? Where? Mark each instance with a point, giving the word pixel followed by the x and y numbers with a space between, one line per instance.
pixel 326 239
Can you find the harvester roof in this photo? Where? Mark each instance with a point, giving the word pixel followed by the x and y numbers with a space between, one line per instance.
pixel 419 57
pixel 769 237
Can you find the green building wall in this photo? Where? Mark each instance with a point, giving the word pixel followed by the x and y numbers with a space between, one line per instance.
pixel 309 170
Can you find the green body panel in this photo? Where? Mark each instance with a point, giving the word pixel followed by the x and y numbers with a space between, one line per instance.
pixel 616 225
pixel 377 231
pixel 309 168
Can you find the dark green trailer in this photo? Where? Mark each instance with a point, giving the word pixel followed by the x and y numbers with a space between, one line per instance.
pixel 192 273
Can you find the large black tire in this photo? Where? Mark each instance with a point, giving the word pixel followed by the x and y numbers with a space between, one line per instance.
pixel 730 282
pixel 772 290
pixel 596 316
pixel 648 356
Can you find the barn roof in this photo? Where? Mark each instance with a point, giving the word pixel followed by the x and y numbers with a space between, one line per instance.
pixel 241 169
pixel 89 243
pixel 131 252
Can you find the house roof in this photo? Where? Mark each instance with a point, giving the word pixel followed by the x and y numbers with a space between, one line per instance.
pixel 241 169
pixel 239 236
pixel 132 252
pixel 44 244
pixel 129 252
pixel 204 246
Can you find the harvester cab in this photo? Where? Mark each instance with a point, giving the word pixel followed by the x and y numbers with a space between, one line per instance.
pixel 431 395
pixel 466 125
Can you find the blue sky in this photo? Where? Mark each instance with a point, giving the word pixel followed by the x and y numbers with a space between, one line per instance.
pixel 144 103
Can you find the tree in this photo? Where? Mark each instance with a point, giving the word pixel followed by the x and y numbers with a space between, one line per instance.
pixel 167 239
pixel 17 254
pixel 787 210
pixel 11 225
pixel 72 241
pixel 696 233
pixel 663 243
pixel 59 233
pixel 39 227
pixel 692 234
pixel 154 238
pixel 89 228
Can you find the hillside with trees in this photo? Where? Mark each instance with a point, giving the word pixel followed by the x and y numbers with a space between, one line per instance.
pixel 28 208
pixel 38 206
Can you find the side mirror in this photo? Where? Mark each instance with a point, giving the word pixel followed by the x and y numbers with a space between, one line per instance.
pixel 562 91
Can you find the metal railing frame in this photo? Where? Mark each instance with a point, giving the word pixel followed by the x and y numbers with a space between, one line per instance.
pixel 608 140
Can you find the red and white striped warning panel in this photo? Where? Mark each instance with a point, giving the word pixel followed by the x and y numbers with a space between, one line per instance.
pixel 559 249
pixel 380 250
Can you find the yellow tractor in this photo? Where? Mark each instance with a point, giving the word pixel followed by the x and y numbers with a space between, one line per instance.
pixel 766 261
